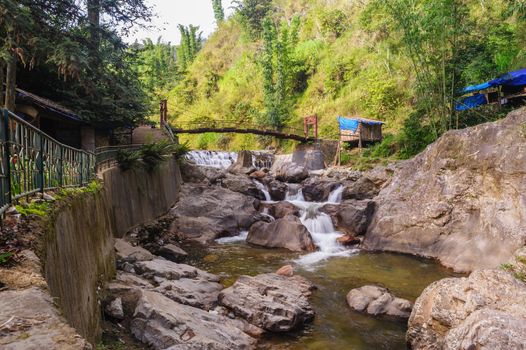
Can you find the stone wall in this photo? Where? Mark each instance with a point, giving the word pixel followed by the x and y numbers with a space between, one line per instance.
pixel 137 196
pixel 78 254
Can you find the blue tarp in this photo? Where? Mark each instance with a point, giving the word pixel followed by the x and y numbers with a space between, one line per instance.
pixel 515 78
pixel 352 123
pixel 471 102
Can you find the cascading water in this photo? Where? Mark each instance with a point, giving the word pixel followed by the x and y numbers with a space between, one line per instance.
pixel 336 195
pixel 263 189
pixel 235 239
pixel 322 230
pixel 216 159
pixel 294 193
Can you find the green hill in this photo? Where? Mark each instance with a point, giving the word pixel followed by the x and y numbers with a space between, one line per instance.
pixel 350 58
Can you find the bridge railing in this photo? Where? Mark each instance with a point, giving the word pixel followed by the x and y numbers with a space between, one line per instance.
pixel 32 161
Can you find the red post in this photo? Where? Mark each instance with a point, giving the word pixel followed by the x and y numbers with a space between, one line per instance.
pixel 310 120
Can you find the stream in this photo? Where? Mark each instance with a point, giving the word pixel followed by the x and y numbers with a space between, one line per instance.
pixel 335 270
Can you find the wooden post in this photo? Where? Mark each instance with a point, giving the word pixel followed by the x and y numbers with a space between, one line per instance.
pixel 2 79
pixel 10 91
pixel 360 135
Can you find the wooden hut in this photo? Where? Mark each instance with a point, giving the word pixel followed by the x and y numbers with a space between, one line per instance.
pixel 360 131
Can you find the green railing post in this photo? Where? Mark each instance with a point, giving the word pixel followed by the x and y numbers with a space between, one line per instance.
pixel 7 155
pixel 61 167
pixel 81 168
pixel 41 163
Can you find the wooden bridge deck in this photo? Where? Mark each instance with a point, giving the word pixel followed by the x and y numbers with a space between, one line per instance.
pixel 229 127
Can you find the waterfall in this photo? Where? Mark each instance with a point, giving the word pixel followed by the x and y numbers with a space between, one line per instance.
pixel 235 239
pixel 320 227
pixel 216 159
pixel 336 195
pixel 294 193
pixel 263 189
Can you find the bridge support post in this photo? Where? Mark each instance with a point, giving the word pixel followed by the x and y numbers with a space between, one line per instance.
pixel 163 110
pixel 310 120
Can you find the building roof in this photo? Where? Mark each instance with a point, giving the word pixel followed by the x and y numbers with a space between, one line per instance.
pixel 49 105
pixel 352 123
pixel 515 78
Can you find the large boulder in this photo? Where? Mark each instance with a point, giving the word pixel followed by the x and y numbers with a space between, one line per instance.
pixel 126 252
pixel 309 156
pixel 29 320
pixel 270 301
pixel 363 188
pixel 206 213
pixel 352 216
pixel 277 190
pixel 287 232
pixel 281 209
pixel 461 199
pixel 194 173
pixel 486 311
pixel 290 172
pixel 242 184
pixel 376 300
pixel 243 164
pixel 316 189
pixel 164 324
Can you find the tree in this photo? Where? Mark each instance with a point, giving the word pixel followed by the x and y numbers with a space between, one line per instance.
pixel 219 13
pixel 252 14
pixel 191 43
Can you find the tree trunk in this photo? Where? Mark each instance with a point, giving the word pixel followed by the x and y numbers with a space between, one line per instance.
pixel 94 27
pixel 10 91
pixel 2 79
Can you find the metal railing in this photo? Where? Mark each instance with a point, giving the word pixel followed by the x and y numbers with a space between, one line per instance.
pixel 106 157
pixel 32 161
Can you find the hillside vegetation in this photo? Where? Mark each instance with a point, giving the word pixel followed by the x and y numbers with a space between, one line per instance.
pixel 399 61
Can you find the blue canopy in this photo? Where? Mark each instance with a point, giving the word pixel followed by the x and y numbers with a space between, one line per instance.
pixel 471 102
pixel 515 78
pixel 352 123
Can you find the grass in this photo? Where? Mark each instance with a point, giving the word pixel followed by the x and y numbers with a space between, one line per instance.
pixel 518 270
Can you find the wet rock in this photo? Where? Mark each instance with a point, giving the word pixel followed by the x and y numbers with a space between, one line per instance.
pixel 128 253
pixel 242 184
pixel 172 252
pixel 277 190
pixel 195 173
pixel 483 311
pixel 269 301
pixel 259 174
pixel 114 309
pixel 243 164
pixel 376 300
pixel 287 271
pixel 348 240
pixel 282 209
pixel 287 232
pixel 164 324
pixel 363 188
pixel 194 292
pixel 290 172
pixel 461 199
pixel 317 190
pixel 352 217
pixel 30 321
pixel 205 213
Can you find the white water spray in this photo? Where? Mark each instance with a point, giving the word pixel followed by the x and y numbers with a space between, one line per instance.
pixel 235 239
pixel 336 195
pixel 263 189
pixel 216 159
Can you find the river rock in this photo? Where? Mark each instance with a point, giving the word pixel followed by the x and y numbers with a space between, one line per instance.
pixel 269 301
pixel 363 188
pixel 290 172
pixel 282 209
pixel 164 324
pixel 205 213
pixel 376 300
pixel 194 292
pixel 114 309
pixel 30 321
pixel 244 163
pixel 259 174
pixel 287 232
pixel 169 270
pixel 277 190
pixel 486 310
pixel 352 216
pixel 287 271
pixel 461 199
pixel 172 252
pixel 126 252
pixel 242 184
pixel 317 190
pixel 197 173
pixel 348 240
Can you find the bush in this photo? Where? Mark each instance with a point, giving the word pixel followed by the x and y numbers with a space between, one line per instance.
pixel 127 160
pixel 153 154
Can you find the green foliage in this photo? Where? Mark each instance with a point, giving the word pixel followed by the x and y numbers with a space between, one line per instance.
pixel 252 14
pixel 127 159
pixel 415 136
pixel 191 42
pixel 38 207
pixel 219 13
pixel 5 258
pixel 153 154
pixel 334 22
pixel 518 269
